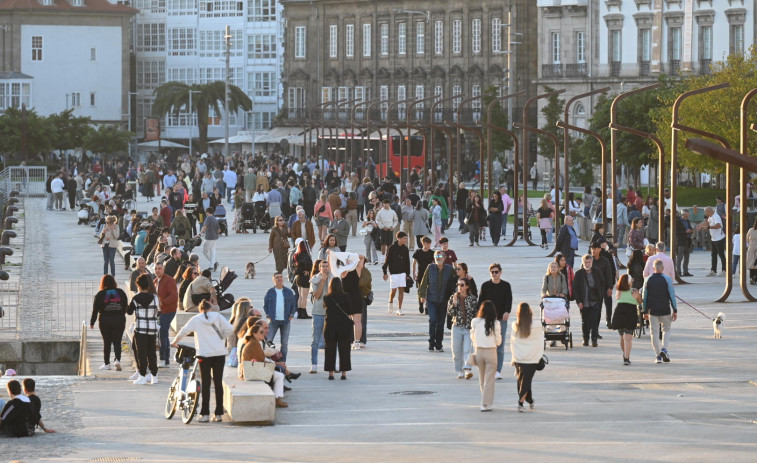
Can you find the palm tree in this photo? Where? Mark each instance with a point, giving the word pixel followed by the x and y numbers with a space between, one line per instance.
pixel 172 97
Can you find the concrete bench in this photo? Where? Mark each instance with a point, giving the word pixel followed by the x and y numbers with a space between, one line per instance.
pixel 181 318
pixel 247 401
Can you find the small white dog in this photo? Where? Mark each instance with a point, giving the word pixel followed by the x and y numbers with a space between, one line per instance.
pixel 716 325
pixel 249 272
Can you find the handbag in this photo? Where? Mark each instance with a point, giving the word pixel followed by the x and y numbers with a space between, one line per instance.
pixel 102 238
pixel 233 360
pixel 369 298
pixel 471 359
pixel 199 297
pixel 257 371
pixel 542 363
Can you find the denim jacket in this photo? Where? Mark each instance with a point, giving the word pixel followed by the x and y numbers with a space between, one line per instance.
pixel 290 303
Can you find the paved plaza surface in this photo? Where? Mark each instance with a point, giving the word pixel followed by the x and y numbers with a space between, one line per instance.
pixel 403 403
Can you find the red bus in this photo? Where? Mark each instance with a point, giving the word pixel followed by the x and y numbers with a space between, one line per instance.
pixel 344 148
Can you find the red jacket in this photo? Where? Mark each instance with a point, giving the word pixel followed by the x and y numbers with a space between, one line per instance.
pixel 168 294
pixel 167 215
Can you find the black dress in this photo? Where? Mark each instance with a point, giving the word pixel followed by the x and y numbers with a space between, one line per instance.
pixel 338 332
pixel 303 263
pixel 351 287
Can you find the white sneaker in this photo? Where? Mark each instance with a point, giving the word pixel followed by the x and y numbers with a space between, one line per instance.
pixel 217 418
pixel 460 375
pixel 154 380
pixel 141 380
pixel 399 313
pixel 712 274
pixel 163 364
pixel 313 368
pixel 203 419
pixel 391 307
pixel 148 377
pixel 117 364
pixel 105 366
pixel 498 375
pixel 362 345
pixel 134 376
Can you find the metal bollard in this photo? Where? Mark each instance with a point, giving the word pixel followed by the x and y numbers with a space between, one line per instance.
pixel 9 210
pixel 4 276
pixel 13 193
pixel 6 236
pixel 12 201
pixel 9 221
pixel 4 252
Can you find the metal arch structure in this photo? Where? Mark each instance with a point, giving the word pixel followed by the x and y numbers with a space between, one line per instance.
pixel 447 131
pixel 676 128
pixel 369 124
pixel 489 138
pixel 614 128
pixel 348 167
pixel 479 133
pixel 353 125
pixel 399 128
pixel 420 126
pixel 743 204
pixel 566 150
pixel 525 128
pixel 313 126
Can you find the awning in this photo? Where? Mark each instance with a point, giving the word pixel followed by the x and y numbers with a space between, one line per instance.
pixel 276 134
pixel 161 143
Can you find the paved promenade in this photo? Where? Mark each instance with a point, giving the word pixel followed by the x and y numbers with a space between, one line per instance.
pixel 402 403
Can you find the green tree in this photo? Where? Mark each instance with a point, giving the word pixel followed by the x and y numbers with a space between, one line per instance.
pixel 173 97
pixel 500 142
pixel 69 131
pixel 107 140
pixel 553 112
pixel 715 112
pixel 23 133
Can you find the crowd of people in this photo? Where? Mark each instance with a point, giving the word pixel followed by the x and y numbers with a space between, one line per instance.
pixel 314 207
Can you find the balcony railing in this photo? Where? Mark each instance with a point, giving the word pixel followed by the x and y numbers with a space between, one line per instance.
pixel 615 67
pixel 644 68
pixel 675 66
pixel 551 70
pixel 704 66
pixel 576 70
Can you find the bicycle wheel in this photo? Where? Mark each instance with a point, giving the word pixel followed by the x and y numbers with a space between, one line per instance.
pixel 171 400
pixel 190 407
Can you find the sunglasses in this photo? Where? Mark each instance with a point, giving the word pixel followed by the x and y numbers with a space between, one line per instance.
pixel 461 285
pixel 439 257
pixel 494 272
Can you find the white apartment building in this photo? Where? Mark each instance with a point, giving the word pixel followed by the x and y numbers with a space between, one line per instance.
pixel 183 40
pixel 72 54
pixel 624 44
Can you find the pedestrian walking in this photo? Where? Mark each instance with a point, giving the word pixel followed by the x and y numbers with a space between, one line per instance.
pixel 658 296
pixel 545 221
pixel 319 286
pixel 475 220
pixel 496 206
pixel 397 264
pixel 437 285
pixel 144 306
pixel 625 317
pixel 303 264
pixel 588 291
pixel 567 241
pixel 278 243
pixel 714 224
pixel 370 231
pixel 338 329
pixel 420 223
pixel 499 292
pixel 486 337
pixel 436 221
pixel 168 300
pixel 527 349
pixel 109 307
pixel 462 310
pixel 210 228
pixel 109 244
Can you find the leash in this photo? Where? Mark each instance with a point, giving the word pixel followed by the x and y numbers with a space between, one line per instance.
pixel 702 313
pixel 264 258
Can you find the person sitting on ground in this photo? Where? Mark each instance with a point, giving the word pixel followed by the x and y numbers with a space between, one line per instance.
pixel 29 391
pixel 17 416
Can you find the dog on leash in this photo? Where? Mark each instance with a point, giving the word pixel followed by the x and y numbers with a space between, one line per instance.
pixel 249 271
pixel 716 325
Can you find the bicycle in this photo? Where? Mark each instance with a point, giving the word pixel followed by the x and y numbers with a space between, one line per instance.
pixel 185 390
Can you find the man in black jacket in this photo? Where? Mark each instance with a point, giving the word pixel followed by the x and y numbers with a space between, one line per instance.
pixel 500 293
pixel 567 241
pixel 398 264
pixel 588 292
pixel 603 262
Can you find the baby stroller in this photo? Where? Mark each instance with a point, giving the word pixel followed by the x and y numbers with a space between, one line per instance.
pixel 254 216
pixel 220 215
pixel 555 319
pixel 227 277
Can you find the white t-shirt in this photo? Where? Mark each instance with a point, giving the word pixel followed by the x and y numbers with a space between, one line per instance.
pixel 716 234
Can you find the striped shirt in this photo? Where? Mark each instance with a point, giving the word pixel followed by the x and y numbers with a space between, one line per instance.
pixel 144 306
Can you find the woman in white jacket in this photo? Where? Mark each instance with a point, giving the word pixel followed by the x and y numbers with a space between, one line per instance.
pixel 527 348
pixel 485 336
pixel 211 330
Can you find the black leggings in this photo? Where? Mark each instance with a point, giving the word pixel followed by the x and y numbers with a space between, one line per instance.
pixel 146 353
pixel 112 331
pixel 525 373
pixel 214 365
pixel 543 236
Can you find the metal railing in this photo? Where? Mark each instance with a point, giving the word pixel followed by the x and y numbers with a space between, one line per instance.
pixel 9 297
pixel 551 70
pixel 644 68
pixel 29 181
pixel 615 67
pixel 576 70
pixel 704 66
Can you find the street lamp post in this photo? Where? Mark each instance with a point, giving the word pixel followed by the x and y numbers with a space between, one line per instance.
pixel 191 119
pixel 228 38
pixel 128 121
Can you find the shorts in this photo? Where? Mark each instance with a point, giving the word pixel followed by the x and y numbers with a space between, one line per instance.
pixel 397 280
pixel 322 221
pixel 387 237
pixel 625 331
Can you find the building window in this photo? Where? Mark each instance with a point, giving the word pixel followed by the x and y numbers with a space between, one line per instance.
pixel 150 74
pixel 555 44
pixel 366 40
pixel 333 31
pixel 185 75
pixel 151 37
pixel 75 99
pixel 401 107
pixel 221 8
pixel 615 52
pixel 349 40
pixel 359 94
pixel 419 95
pixel 181 42
pixel 384 43
pixel 179 7
pixel 420 38
pixel 77 2
pixel 343 94
pixel 295 101
pixel 207 75
pixel 261 10
pixel 477 103
pixel 675 50
pixel 645 50
pixel 438 94
pixel 401 38
pixel 580 47
pixel 261 46
pixel 496 35
pixel 36 48
pixel 211 43
pixel 384 98
pixel 736 45
pixel 299 42
pixel 261 84
pixel 705 46
pixel 438 37
pixel 476 39
pixel 92 99
pixel 326 94
pixel 15 95
pixel 260 120
pixel 93 54
pixel 457 32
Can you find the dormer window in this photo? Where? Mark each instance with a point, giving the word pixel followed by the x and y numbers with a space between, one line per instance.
pixel 46 2
pixel 77 2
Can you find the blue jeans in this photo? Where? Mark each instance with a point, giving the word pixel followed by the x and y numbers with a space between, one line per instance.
pixel 284 326
pixel 461 346
pixel 165 345
pixel 504 224
pixel 501 347
pixel 109 257
pixel 461 218
pixel 317 338
pixel 437 316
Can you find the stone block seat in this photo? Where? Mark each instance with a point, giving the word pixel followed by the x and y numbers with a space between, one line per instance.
pixel 181 318
pixel 247 401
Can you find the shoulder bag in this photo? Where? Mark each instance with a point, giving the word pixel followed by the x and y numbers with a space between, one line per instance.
pixel 257 371
pixel 542 363
pixel 342 310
